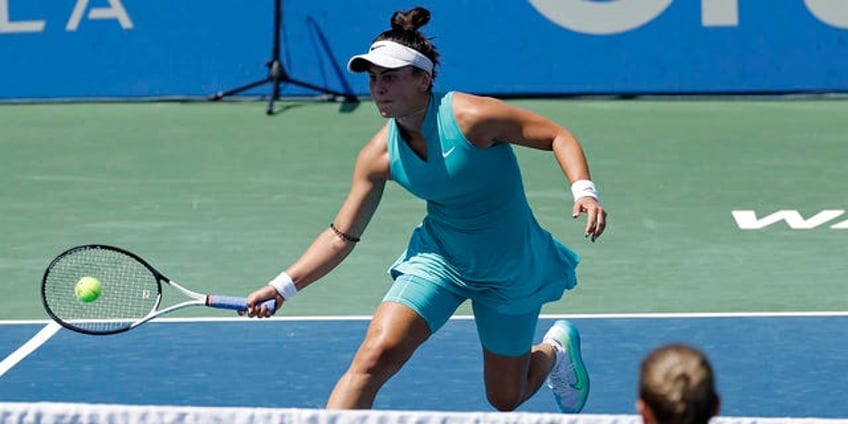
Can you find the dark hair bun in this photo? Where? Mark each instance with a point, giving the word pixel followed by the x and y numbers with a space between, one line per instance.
pixel 410 20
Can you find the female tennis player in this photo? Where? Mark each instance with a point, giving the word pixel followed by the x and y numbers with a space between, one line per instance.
pixel 479 239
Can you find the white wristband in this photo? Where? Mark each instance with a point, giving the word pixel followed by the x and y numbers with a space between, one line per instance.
pixel 584 188
pixel 284 285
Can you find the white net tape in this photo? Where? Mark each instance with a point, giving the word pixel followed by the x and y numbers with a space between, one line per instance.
pixel 80 413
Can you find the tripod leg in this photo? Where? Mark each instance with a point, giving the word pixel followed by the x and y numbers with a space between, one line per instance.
pixel 276 75
pixel 221 94
pixel 275 95
pixel 347 97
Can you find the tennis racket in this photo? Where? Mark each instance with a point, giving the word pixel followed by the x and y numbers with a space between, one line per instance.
pixel 130 291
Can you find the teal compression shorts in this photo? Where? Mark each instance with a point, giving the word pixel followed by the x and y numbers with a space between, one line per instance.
pixel 501 334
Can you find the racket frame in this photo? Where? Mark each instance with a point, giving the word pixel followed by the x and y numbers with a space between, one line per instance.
pixel 196 299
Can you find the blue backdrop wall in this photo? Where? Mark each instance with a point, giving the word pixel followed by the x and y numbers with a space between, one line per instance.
pixel 164 48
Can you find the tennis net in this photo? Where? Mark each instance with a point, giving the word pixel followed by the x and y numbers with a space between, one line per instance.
pixel 82 413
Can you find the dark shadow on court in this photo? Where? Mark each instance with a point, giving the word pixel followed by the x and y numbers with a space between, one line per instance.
pixel 344 107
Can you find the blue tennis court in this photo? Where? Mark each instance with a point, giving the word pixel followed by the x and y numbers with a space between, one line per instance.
pixel 786 365
pixel 767 306
pixel 715 131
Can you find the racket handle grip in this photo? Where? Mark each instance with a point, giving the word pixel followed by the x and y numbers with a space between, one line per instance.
pixel 237 303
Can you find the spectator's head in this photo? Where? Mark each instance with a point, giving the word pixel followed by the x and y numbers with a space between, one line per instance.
pixel 676 386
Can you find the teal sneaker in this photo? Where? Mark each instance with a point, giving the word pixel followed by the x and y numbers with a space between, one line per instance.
pixel 569 379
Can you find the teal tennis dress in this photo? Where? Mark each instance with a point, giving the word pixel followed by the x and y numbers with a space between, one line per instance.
pixel 479 238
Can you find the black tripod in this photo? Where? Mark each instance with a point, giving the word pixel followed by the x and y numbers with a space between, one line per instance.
pixel 277 73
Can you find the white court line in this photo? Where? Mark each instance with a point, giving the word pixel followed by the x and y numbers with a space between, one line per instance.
pixel 468 317
pixel 31 345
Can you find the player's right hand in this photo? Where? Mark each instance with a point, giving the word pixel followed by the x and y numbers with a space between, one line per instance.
pixel 255 299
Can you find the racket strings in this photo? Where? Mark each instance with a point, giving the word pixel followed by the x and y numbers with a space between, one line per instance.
pixel 129 290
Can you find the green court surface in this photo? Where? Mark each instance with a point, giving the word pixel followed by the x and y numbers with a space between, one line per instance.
pixel 220 196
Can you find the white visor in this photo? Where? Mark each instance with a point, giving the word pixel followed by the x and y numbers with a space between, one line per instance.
pixel 391 55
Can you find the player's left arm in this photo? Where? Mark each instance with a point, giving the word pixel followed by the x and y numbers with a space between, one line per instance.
pixel 486 121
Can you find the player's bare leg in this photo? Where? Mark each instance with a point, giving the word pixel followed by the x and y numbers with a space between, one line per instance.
pixel 393 335
pixel 510 381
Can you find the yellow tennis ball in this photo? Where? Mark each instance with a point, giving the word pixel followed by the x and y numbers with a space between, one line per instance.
pixel 87 289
